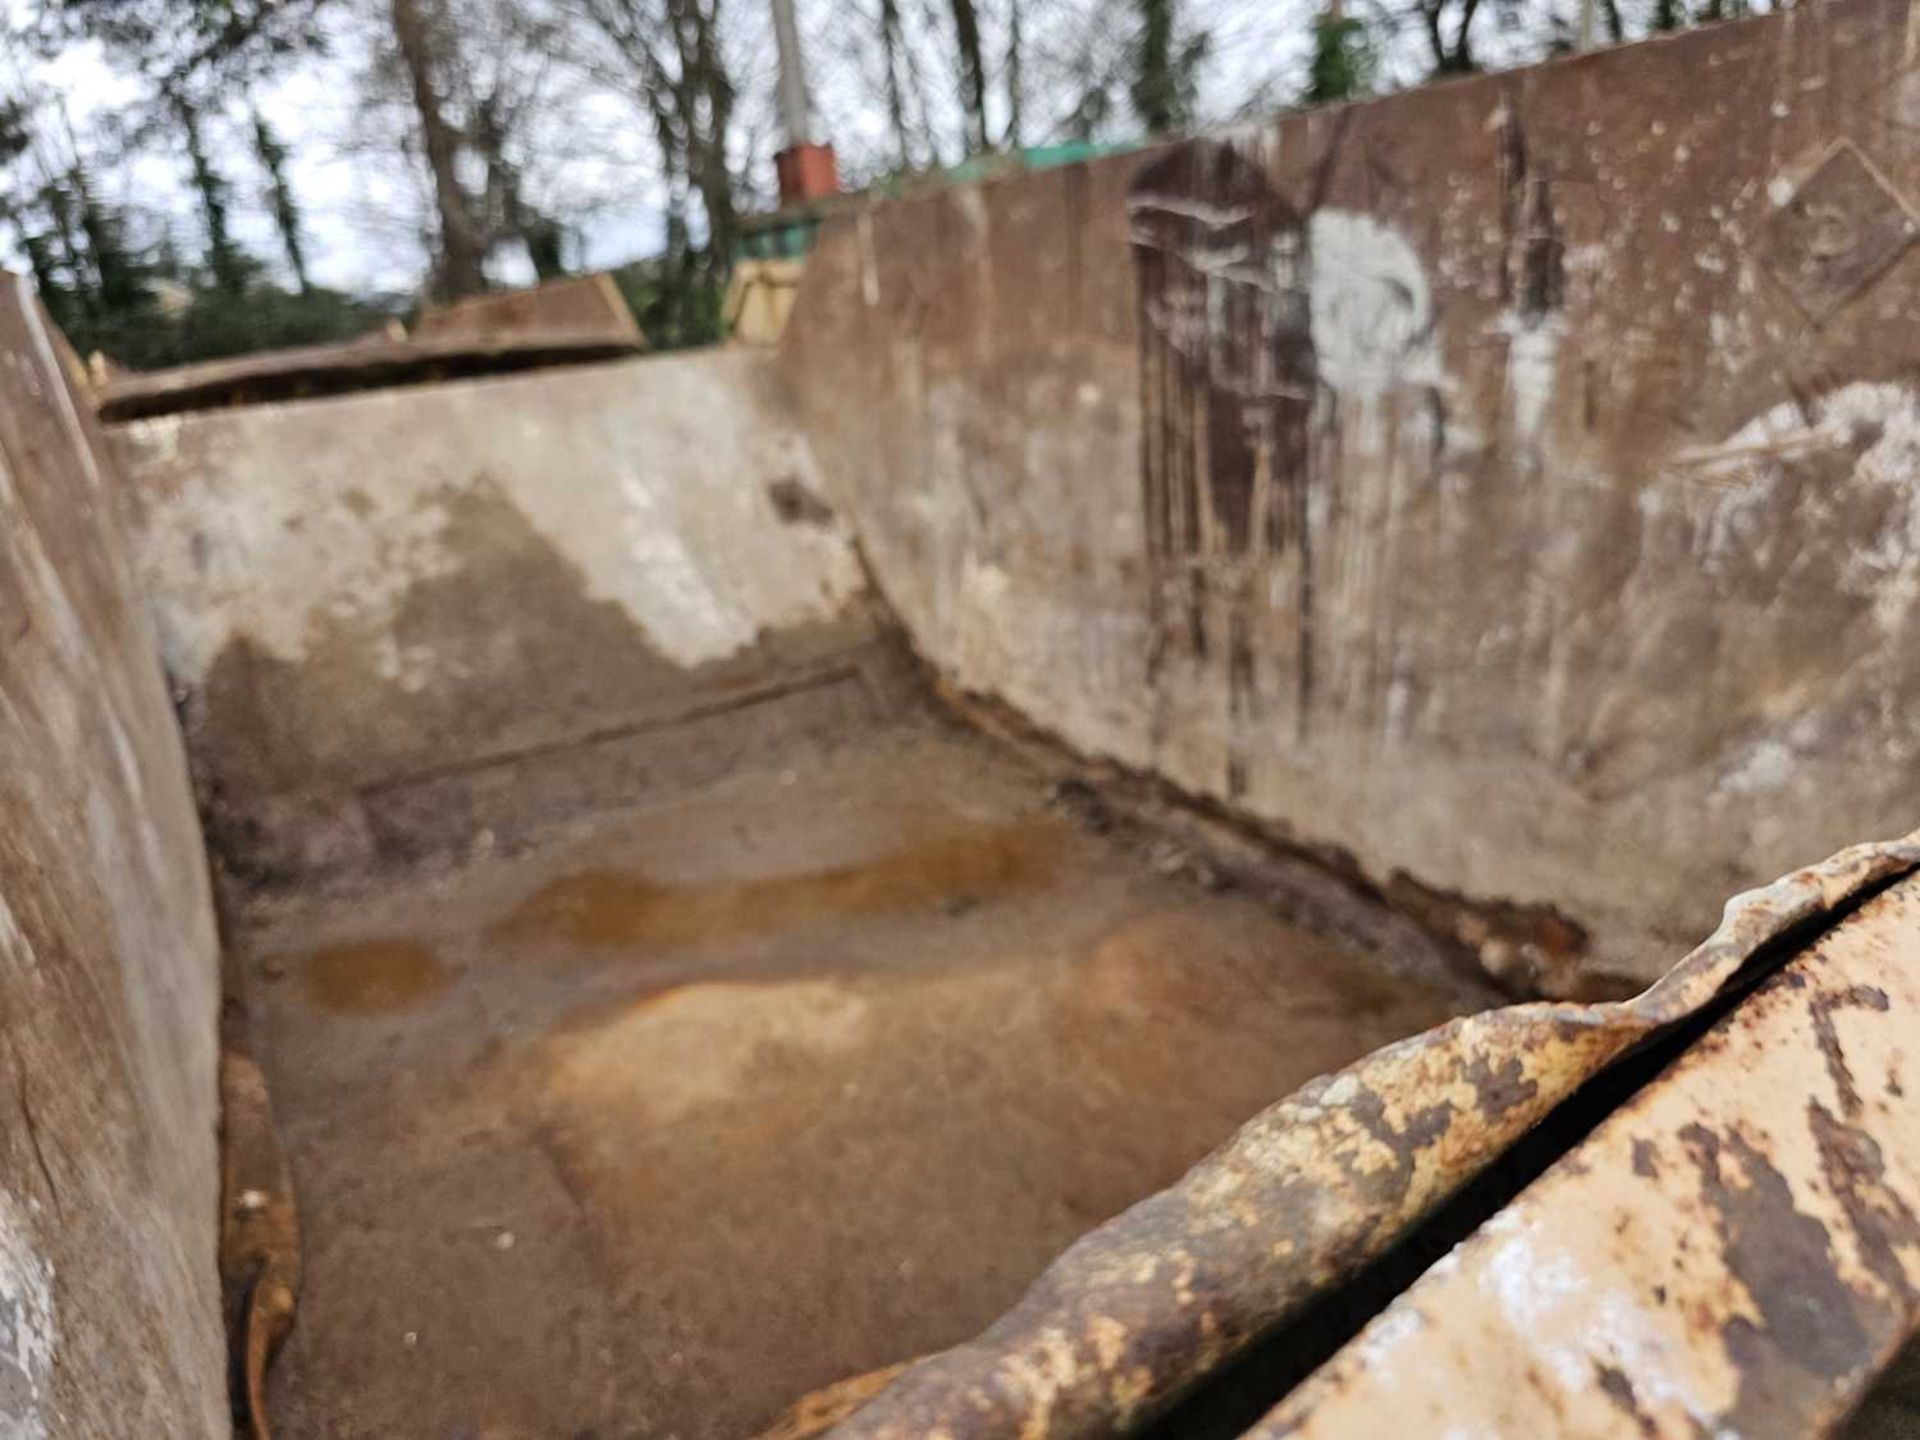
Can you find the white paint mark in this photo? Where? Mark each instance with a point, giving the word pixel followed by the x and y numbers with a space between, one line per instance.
pixel 1627 1335
pixel 973 209
pixel 1533 347
pixel 1766 766
pixel 1372 312
pixel 869 262
pixel 1726 488
pixel 1191 207
pixel 1340 1090
pixel 666 583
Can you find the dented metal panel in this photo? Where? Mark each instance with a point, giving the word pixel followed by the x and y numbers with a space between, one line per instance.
pixel 1735 1252
pixel 1142 1307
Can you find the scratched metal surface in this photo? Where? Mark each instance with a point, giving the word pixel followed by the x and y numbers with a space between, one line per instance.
pixel 1320 1183
pixel 1734 1252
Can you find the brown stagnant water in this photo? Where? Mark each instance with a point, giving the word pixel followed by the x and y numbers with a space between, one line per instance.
pixel 370 977
pixel 604 908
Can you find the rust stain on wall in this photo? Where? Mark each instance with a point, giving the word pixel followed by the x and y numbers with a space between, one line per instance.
pixel 1431 458
pixel 1227 390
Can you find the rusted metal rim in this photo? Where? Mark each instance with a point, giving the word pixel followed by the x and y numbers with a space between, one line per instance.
pixel 1306 1193
pixel 323 370
pixel 1734 1251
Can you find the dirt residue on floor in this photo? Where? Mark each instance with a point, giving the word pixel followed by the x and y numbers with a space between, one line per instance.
pixel 647 1132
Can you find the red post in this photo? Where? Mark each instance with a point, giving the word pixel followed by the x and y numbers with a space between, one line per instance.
pixel 806 172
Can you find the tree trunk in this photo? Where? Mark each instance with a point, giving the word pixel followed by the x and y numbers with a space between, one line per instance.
pixel 459 271
pixel 223 259
pixel 891 55
pixel 973 72
pixel 286 211
pixel 684 88
pixel 1013 137
pixel 708 88
pixel 506 197
pixel 1455 56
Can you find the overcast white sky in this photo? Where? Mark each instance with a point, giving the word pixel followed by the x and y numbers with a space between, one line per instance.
pixel 362 210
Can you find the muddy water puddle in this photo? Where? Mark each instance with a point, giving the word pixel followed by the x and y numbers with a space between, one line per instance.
pixel 603 908
pixel 371 977
pixel 955 870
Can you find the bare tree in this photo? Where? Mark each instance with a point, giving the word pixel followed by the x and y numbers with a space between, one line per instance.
pixel 512 52
pixel 892 62
pixel 224 259
pixel 1452 54
pixel 674 62
pixel 973 71
pixel 459 267
pixel 271 152
pixel 1012 71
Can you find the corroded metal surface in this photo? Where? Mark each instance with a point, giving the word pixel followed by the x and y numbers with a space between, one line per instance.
pixel 579 305
pixel 1306 1192
pixel 353 365
pixel 1734 1252
pixel 259 1236
pixel 820 1410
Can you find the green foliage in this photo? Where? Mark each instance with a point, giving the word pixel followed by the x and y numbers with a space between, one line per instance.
pixel 117 283
pixel 679 301
pixel 214 322
pixel 77 246
pixel 1166 68
pixel 139 302
pixel 1344 60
